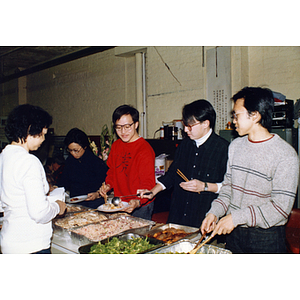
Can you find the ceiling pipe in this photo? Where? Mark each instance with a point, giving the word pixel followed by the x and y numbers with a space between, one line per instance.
pixel 11 51
pixel 56 61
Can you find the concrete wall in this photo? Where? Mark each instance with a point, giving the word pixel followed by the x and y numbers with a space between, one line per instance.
pixel 84 93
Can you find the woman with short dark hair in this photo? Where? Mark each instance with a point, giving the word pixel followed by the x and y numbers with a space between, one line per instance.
pixel 23 186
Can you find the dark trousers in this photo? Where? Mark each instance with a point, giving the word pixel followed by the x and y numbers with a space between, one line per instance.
pixel 144 212
pixel 257 240
pixel 44 251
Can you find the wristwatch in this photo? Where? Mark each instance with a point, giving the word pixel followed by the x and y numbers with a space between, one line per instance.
pixel 205 187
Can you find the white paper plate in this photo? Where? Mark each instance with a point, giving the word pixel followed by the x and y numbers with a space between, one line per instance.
pixel 103 209
pixel 76 199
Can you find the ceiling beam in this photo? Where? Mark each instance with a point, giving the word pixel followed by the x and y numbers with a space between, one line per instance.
pixel 56 61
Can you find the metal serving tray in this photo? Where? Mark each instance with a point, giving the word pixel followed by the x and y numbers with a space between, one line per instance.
pixel 80 239
pixel 191 230
pixel 59 230
pixel 184 246
pixel 78 206
pixel 124 237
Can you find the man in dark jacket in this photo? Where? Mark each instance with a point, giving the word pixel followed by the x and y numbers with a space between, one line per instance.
pixel 202 158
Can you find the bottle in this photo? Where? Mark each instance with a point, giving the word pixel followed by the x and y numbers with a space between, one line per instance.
pixel 174 133
pixel 162 132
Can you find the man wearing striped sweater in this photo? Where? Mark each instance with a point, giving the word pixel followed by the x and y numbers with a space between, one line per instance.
pixel 260 183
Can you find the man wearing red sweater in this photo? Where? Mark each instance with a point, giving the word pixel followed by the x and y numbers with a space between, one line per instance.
pixel 131 163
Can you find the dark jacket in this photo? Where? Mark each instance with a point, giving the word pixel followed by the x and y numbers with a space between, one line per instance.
pixel 206 163
pixel 84 175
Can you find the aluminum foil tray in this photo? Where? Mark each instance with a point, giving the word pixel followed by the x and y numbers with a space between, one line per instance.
pixel 77 208
pixel 80 239
pixel 124 237
pixel 191 230
pixel 60 230
pixel 184 246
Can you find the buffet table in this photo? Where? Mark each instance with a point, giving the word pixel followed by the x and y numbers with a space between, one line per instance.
pixel 63 245
pixel 81 232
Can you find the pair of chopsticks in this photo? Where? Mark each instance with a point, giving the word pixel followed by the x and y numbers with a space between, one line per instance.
pixel 183 176
pixel 199 244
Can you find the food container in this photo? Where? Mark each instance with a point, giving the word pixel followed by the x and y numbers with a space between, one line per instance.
pixel 75 208
pixel 184 246
pixel 193 234
pixel 124 237
pixel 74 220
pixel 81 239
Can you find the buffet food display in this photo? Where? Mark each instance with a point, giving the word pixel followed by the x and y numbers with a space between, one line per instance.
pixel 105 229
pixel 128 243
pixel 79 219
pixel 184 246
pixel 85 231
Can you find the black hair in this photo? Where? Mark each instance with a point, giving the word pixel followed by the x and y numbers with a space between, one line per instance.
pixel 201 110
pixel 77 136
pixel 125 110
pixel 257 99
pixel 26 120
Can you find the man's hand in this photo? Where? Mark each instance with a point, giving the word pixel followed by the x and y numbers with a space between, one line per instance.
pixel 142 192
pixel 193 185
pixel 104 189
pixel 224 226
pixel 133 204
pixel 208 224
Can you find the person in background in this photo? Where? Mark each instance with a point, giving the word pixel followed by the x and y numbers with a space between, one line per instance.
pixel 27 224
pixel 260 183
pixel 54 168
pixel 131 163
pixel 202 158
pixel 84 171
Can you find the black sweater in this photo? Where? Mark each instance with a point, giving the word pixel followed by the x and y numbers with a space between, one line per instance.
pixel 84 175
pixel 206 163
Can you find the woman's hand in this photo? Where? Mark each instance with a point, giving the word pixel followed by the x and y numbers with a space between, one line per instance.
pixel 52 187
pixel 92 196
pixel 62 206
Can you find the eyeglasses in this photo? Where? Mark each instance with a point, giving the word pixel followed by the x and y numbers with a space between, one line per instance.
pixel 190 127
pixel 125 126
pixel 75 151
pixel 234 115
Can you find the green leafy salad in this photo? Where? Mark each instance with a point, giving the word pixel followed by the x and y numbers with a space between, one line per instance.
pixel 117 246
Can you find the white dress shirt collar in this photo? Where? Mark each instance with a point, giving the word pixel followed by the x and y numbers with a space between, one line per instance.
pixel 203 139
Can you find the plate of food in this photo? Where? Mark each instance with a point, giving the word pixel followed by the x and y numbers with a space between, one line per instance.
pixel 109 207
pixel 76 199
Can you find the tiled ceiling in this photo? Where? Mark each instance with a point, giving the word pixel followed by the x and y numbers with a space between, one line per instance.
pixel 20 61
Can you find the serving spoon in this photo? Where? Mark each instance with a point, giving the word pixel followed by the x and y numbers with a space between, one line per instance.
pixel 117 200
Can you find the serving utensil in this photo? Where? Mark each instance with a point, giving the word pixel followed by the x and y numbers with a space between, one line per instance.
pixel 117 200
pixel 197 247
pixel 183 176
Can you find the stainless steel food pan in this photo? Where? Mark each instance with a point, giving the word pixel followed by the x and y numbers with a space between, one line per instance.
pixel 81 239
pixel 184 246
pixel 188 229
pixel 124 237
